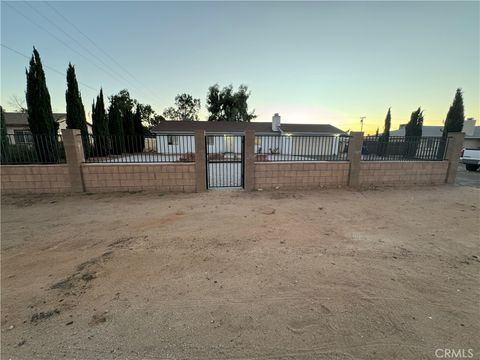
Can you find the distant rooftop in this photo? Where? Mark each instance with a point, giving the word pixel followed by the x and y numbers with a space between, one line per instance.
pixel 231 126
pixel 471 131
pixel 21 119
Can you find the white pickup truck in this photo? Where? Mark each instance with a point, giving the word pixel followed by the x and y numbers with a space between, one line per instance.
pixel 471 158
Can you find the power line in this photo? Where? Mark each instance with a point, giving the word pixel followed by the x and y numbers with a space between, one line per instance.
pixel 60 40
pixel 46 66
pixel 100 48
pixel 77 42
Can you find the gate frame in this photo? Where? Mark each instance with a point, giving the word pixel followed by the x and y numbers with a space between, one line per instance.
pixel 242 160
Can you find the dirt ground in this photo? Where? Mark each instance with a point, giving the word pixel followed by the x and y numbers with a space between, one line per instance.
pixel 333 274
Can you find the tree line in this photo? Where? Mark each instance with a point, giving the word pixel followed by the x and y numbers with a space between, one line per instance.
pixel 414 128
pixel 125 119
pixel 453 122
pixel 222 105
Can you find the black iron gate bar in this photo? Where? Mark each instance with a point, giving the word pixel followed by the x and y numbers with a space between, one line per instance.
pixel 224 155
pixel 316 147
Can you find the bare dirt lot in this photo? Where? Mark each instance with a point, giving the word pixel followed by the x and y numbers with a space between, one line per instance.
pixel 334 274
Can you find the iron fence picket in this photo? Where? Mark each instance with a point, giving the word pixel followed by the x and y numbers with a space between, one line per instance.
pixel 401 148
pixel 164 148
pixel 32 149
pixel 282 148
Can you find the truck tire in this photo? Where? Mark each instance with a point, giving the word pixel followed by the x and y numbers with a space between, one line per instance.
pixel 472 167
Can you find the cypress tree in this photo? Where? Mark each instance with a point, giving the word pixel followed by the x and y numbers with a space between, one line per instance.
pixel 115 127
pixel 99 117
pixel 75 111
pixel 455 115
pixel 414 126
pixel 453 122
pixel 386 128
pixel 413 132
pixel 40 116
pixel 386 134
pixel 100 126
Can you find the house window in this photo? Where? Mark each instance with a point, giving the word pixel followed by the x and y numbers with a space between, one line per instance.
pixel 210 140
pixel 172 140
pixel 22 136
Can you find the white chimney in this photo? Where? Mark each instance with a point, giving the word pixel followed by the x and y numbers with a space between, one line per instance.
pixel 469 126
pixel 276 122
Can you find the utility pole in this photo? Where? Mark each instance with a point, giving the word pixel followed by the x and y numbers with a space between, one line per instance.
pixel 361 122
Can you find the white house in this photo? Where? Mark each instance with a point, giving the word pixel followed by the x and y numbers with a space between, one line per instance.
pixel 271 137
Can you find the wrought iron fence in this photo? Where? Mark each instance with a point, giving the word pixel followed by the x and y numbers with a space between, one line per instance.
pixel 27 148
pixel 277 148
pixel 400 148
pixel 139 149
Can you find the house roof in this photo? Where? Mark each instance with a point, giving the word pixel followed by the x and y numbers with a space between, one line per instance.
pixel 230 126
pixel 21 119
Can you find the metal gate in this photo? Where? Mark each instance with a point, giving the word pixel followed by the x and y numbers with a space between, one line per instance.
pixel 225 156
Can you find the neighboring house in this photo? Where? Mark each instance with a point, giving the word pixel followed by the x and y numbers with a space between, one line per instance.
pixel 17 125
pixel 472 132
pixel 169 139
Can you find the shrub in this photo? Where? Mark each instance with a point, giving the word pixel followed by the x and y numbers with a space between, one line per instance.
pixel 215 156
pixel 188 157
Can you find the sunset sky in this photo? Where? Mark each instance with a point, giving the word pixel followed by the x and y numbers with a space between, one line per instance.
pixel 312 62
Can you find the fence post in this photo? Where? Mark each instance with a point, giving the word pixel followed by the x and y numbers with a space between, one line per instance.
pixel 249 161
pixel 72 142
pixel 455 144
pixel 200 161
pixel 355 156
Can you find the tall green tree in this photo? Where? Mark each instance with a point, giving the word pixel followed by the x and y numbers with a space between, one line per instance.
pixel 124 104
pixel 415 125
pixel 100 129
pixel 455 116
pixel 99 116
pixel 228 105
pixel 186 108
pixel 385 137
pixel 40 116
pixel 413 132
pixel 75 111
pixel 148 115
pixel 115 127
pixel 386 126
pixel 123 101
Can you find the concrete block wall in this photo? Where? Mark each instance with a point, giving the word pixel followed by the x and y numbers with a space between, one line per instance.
pixel 22 179
pixel 138 177
pixel 402 173
pixel 295 175
pixel 77 176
